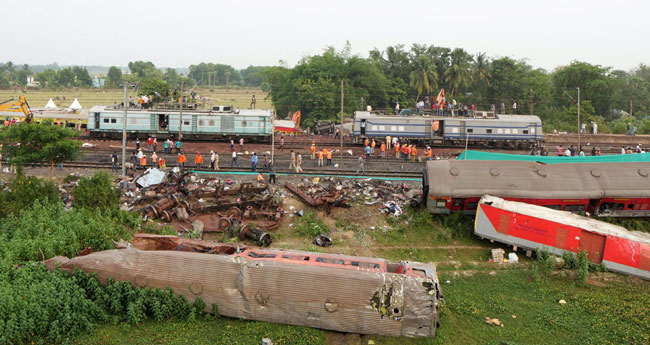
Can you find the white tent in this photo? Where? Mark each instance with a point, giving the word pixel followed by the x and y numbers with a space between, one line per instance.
pixel 50 104
pixel 75 105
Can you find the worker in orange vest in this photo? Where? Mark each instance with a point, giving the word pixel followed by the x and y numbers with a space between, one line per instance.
pixel 429 153
pixel 397 150
pixel 414 153
pixel 313 149
pixel 372 146
pixel 143 162
pixel 406 150
pixel 383 150
pixel 366 142
pixel 161 163
pixel 320 158
pixel 181 161
pixel 198 160
pixel 329 157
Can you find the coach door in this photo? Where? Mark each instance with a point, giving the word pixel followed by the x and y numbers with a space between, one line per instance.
pixel 194 123
pixel 428 132
pixel 594 244
pixel 463 130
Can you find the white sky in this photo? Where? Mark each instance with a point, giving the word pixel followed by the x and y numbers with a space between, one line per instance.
pixel 176 33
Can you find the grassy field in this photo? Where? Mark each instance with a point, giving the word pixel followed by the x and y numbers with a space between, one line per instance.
pixel 90 97
pixel 608 309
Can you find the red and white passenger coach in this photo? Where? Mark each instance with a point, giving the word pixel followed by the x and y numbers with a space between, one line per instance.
pixel 535 227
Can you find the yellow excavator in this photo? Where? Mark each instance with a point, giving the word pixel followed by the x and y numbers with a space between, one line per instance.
pixel 19 106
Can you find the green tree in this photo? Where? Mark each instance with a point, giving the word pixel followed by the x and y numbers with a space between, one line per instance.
pixel 594 82
pixel 144 69
pixel 39 143
pixel 66 77
pixel 82 77
pixel 114 77
pixel 48 78
pixel 96 192
pixel 458 74
pixel 151 85
pixel 424 77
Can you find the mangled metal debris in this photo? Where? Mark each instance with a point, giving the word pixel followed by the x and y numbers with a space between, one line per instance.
pixel 341 193
pixel 328 291
pixel 191 204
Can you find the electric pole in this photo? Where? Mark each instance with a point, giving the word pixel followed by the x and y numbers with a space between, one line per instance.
pixel 532 102
pixel 123 130
pixel 180 123
pixel 341 125
pixel 579 124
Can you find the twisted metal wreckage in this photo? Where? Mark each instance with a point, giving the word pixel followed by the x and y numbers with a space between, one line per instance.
pixel 328 291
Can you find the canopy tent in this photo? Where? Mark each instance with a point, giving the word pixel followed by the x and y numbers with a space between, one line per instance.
pixel 75 105
pixel 471 155
pixel 50 104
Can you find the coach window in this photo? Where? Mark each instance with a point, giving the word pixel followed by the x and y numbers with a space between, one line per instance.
pixel 525 131
pixel 186 123
pixel 554 207
pixel 470 130
pixel 201 123
pixel 488 131
pixel 113 120
pixel 106 120
pixel 211 123
pixel 472 205
pixel 630 206
pixel 134 121
pixel 574 208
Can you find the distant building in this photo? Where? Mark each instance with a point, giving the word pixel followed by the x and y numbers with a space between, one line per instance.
pixel 31 82
pixel 99 82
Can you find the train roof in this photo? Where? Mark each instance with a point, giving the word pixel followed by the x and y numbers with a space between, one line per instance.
pixel 492 156
pixel 517 118
pixel 514 179
pixel 250 112
pixel 567 218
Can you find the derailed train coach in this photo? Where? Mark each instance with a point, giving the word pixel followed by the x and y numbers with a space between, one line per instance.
pixel 600 189
pixel 327 291
pixel 534 227
pixel 485 128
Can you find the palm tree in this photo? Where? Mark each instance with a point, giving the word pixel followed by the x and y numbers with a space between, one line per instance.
pixel 424 77
pixel 458 73
pixel 480 68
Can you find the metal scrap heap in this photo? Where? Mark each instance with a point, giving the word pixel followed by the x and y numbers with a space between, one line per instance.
pixel 192 204
pixel 342 193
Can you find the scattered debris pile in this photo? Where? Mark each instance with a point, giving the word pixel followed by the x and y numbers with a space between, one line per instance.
pixel 193 204
pixel 332 193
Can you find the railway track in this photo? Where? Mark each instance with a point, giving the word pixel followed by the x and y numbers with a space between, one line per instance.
pixel 307 171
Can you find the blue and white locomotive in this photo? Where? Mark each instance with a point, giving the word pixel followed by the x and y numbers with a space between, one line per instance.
pixel 218 123
pixel 484 128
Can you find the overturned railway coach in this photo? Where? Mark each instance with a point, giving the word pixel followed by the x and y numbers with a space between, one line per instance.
pixel 534 227
pixel 328 291
pixel 485 128
pixel 601 189
pixel 218 123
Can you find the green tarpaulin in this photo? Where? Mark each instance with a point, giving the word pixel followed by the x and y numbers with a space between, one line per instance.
pixel 490 156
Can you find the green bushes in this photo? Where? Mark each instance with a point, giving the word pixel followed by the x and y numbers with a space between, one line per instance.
pixel 310 225
pixel 96 192
pixel 51 306
pixel 48 230
pixel 22 191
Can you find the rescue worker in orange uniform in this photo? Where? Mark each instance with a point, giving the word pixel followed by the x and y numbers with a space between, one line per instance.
pixel 329 157
pixel 198 160
pixel 414 153
pixel 382 148
pixel 181 161
pixel 320 158
pixel 372 146
pixel 143 162
pixel 397 150
pixel 161 163
pixel 313 149
pixel 405 152
pixel 366 142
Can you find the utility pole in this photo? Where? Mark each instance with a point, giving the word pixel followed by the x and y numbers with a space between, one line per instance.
pixel 126 105
pixel 180 123
pixel 579 124
pixel 272 137
pixel 532 102
pixel 630 108
pixel 341 125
